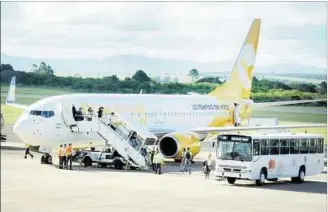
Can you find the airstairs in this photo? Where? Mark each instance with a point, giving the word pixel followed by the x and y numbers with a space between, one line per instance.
pixel 118 135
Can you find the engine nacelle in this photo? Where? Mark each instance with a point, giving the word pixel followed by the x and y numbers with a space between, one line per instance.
pixel 171 145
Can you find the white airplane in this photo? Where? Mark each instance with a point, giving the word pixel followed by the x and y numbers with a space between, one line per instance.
pixel 179 121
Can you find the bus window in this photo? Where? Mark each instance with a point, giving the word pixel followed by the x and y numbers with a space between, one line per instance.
pixel 313 145
pixel 284 146
pixel 320 145
pixel 256 147
pixel 294 147
pixel 304 146
pixel 265 147
pixel 274 147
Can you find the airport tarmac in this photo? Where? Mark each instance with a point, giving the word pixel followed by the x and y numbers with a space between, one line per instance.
pixel 28 186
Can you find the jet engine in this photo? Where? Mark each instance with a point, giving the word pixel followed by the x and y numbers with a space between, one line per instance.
pixel 171 145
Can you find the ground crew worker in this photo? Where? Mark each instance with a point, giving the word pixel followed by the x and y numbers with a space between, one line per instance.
pixel 158 162
pixel 69 156
pixel 27 152
pixel 152 158
pixel 60 156
pixel 63 156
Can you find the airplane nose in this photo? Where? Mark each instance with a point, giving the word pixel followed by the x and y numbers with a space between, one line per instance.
pixel 19 128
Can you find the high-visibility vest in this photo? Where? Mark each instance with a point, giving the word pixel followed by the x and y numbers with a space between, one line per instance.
pixel 68 150
pixel 59 152
pixel 63 151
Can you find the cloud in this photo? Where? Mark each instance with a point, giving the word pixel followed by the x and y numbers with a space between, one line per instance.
pixel 197 31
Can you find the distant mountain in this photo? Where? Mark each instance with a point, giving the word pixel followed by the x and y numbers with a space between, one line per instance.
pixel 125 65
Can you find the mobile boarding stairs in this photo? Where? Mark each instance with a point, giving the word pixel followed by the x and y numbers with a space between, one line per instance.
pixel 137 156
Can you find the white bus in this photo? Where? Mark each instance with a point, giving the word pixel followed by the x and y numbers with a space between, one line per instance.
pixel 271 156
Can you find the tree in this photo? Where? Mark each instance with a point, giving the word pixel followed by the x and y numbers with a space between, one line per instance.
pixel 6 67
pixel 323 87
pixel 194 74
pixel 43 69
pixel 141 76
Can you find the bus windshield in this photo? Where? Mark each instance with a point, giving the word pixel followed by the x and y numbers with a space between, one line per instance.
pixel 233 147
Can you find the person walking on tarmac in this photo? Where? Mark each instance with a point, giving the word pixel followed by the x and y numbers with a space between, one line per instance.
pixel 158 162
pixel 207 165
pixel 27 152
pixel 63 156
pixel 183 158
pixel 188 158
pixel 60 156
pixel 69 156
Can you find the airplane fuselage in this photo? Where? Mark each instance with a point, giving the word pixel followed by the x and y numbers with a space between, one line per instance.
pixel 161 114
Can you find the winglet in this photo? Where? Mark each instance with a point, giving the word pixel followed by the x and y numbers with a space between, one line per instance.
pixel 11 97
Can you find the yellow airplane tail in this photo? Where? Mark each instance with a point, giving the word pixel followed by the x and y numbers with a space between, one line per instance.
pixel 239 83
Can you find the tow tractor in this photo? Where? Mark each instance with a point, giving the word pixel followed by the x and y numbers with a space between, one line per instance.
pixel 108 156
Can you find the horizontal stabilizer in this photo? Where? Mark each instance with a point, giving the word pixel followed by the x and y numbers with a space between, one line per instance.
pixel 271 104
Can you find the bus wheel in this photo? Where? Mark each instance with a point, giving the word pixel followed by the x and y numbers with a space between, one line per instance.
pixel 261 181
pixel 301 174
pixel 231 180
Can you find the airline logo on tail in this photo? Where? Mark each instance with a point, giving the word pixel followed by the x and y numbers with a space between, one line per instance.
pixel 239 83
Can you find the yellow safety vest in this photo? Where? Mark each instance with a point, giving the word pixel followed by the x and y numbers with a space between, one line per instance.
pixel 158 159
pixel 59 152
pixel 63 152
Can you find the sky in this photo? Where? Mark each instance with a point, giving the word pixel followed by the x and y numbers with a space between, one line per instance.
pixel 292 32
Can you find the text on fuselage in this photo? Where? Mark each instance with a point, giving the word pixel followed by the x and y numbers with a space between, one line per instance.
pixel 209 107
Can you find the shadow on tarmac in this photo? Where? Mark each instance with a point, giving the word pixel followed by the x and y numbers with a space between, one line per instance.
pixel 316 187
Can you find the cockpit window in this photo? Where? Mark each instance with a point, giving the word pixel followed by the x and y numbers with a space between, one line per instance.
pixel 46 114
pixel 35 112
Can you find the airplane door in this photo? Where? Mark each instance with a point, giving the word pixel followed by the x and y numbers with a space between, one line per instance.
pixel 158 119
pixel 68 113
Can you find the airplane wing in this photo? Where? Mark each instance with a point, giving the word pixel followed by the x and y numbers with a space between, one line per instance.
pixel 271 104
pixel 241 128
pixel 11 96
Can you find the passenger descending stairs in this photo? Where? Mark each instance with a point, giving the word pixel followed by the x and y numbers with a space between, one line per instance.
pixel 119 139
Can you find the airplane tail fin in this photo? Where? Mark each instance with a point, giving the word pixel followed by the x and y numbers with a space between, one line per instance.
pixel 11 97
pixel 239 83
